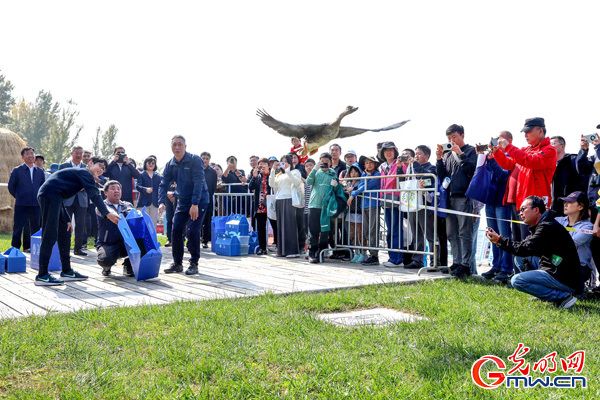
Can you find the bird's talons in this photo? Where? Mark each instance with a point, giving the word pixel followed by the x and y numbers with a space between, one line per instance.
pixel 312 152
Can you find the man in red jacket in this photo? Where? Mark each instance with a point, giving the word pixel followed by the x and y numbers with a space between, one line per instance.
pixel 536 162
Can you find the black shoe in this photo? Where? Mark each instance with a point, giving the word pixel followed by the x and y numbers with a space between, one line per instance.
pixel 261 253
pixel 168 244
pixel 105 271
pixel 192 269
pixel 205 245
pixel 80 253
pixel 372 260
pixel 462 272
pixel 489 275
pixel 313 260
pixel 414 265
pixel 47 280
pixel 174 267
pixel 502 277
pixel 454 267
pixel 128 270
pixel 26 251
pixel 72 275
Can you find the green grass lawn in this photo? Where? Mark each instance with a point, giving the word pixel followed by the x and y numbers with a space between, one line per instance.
pixel 274 347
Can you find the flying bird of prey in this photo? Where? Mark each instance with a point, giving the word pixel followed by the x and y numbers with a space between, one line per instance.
pixel 316 136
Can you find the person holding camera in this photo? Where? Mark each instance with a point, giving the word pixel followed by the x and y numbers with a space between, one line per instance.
pixel 566 178
pixel 321 178
pixel 457 160
pixel 259 184
pixel 284 179
pixel 121 170
pixel 236 182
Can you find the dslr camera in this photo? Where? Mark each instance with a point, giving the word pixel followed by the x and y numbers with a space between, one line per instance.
pixel 590 138
pixel 403 158
pixel 494 142
pixel 121 157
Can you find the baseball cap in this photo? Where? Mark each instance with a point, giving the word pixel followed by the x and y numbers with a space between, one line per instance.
pixel 272 158
pixel 531 123
pixel 579 197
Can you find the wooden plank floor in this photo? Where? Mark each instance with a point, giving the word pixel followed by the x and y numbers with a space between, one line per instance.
pixel 220 277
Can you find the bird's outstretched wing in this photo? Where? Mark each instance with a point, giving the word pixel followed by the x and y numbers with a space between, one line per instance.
pixel 281 127
pixel 346 131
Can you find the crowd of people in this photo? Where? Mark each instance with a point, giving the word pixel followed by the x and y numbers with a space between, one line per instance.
pixel 316 205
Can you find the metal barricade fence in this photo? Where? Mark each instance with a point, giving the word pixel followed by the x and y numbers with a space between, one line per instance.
pixel 403 217
pixel 229 203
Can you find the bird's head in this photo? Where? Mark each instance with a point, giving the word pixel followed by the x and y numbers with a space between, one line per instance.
pixel 350 110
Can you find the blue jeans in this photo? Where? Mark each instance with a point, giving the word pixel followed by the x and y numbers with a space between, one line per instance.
pixel 393 219
pixel 502 260
pixel 534 262
pixel 540 284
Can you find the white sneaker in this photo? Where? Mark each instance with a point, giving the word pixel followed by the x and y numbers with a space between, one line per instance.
pixel 292 256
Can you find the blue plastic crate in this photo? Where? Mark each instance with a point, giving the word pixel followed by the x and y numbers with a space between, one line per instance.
pixel 227 245
pixel 253 243
pixel 237 223
pixel 15 260
pixel 34 261
pixel 2 263
pixel 146 266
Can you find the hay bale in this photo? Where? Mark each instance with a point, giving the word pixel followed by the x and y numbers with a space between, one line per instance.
pixel 11 145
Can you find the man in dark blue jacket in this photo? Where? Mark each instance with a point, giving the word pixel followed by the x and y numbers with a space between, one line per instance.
pixel 110 242
pixel 23 184
pixel 210 175
pixel 121 170
pixel 77 204
pixel 56 224
pixel 192 199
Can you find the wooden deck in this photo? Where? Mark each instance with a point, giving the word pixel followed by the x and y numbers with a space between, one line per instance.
pixel 220 277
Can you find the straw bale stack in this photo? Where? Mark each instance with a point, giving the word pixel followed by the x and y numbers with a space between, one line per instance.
pixel 11 145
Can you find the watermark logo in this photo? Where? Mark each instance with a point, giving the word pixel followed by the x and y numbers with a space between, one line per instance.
pixel 518 375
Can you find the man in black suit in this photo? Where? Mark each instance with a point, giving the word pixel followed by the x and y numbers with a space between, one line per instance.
pixel 23 184
pixel 210 175
pixel 78 204
pixel 122 171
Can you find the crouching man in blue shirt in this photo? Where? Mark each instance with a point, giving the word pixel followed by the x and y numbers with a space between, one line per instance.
pixel 110 244
pixel 56 224
pixel 192 200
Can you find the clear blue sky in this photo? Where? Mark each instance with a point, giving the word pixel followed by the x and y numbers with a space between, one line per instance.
pixel 201 69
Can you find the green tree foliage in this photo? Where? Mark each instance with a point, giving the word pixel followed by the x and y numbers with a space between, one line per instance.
pixel 63 134
pixel 104 143
pixel 34 122
pixel 6 101
pixel 109 141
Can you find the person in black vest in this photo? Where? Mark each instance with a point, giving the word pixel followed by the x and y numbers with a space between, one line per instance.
pixel 77 204
pixel 56 224
pixel 23 184
pixel 110 243
pixel 122 170
pixel 210 175
pixel 192 199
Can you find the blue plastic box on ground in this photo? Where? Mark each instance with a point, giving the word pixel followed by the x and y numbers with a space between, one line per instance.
pixel 15 260
pixel 2 263
pixel 237 223
pixel 34 262
pixel 253 243
pixel 227 245
pixel 146 266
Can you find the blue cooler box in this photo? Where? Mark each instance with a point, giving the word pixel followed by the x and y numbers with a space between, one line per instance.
pixel 227 245
pixel 15 260
pixel 36 242
pixel 237 223
pixel 253 243
pixel 146 266
pixel 217 226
